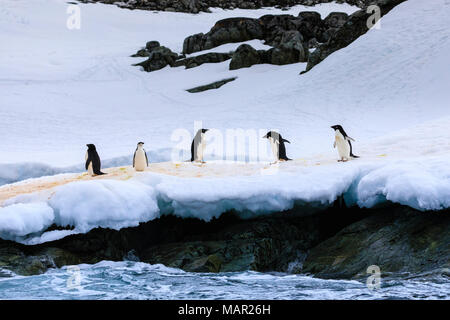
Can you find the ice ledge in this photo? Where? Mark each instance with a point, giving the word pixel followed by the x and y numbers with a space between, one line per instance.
pixel 125 201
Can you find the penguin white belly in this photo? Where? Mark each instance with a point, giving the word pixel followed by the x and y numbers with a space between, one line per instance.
pixel 140 161
pixel 200 150
pixel 343 146
pixel 275 148
pixel 90 170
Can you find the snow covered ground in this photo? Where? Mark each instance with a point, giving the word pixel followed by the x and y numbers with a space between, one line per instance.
pixel 61 89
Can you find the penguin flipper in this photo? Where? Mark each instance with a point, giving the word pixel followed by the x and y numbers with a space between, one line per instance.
pixel 134 157
pixel 351 150
pixel 284 140
pixel 146 159
pixel 192 151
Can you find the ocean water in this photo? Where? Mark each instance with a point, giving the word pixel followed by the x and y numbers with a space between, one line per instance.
pixel 137 280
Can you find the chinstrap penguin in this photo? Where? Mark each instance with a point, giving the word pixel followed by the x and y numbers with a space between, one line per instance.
pixel 343 143
pixel 277 145
pixel 198 146
pixel 140 160
pixel 93 163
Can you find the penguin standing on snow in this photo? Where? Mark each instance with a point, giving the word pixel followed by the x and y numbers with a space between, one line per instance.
pixel 93 161
pixel 277 145
pixel 140 160
pixel 343 144
pixel 198 146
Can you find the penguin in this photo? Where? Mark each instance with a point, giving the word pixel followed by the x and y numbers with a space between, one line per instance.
pixel 343 144
pixel 198 146
pixel 277 145
pixel 93 161
pixel 140 160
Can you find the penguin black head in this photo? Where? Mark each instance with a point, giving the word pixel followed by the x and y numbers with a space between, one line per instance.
pixel 91 146
pixel 271 134
pixel 340 129
pixel 204 130
pixel 140 143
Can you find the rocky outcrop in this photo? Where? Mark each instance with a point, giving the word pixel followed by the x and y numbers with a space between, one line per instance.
pixel 196 6
pixel 334 243
pixel 276 30
pixel 225 31
pixel 289 36
pixel 158 57
pixel 341 33
pixel 396 240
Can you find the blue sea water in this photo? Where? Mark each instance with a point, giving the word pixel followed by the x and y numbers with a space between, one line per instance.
pixel 137 280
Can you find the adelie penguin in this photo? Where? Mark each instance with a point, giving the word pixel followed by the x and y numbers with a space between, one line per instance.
pixel 140 160
pixel 93 163
pixel 277 145
pixel 343 144
pixel 198 146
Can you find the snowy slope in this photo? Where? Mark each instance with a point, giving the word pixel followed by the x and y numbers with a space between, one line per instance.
pixel 62 89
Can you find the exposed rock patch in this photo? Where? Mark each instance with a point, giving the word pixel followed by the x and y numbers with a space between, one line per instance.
pixel 214 85
pixel 398 240
pixel 196 6
pixel 341 33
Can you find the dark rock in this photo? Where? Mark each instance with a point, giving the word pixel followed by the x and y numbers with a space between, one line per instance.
pixel 397 240
pixel 152 45
pixel 335 19
pixel 338 242
pixel 141 53
pixel 195 6
pixel 244 57
pixel 290 50
pixel 193 43
pixel 224 31
pixel 214 85
pixel 159 58
pixel 353 28
pixel 196 61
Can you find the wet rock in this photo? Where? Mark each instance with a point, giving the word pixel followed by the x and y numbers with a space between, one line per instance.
pixel 337 242
pixel 397 240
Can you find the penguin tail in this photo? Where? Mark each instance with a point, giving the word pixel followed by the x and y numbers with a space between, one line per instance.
pixel 99 173
pixel 353 156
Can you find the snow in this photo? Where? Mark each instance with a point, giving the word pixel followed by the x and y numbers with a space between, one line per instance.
pixel 64 88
